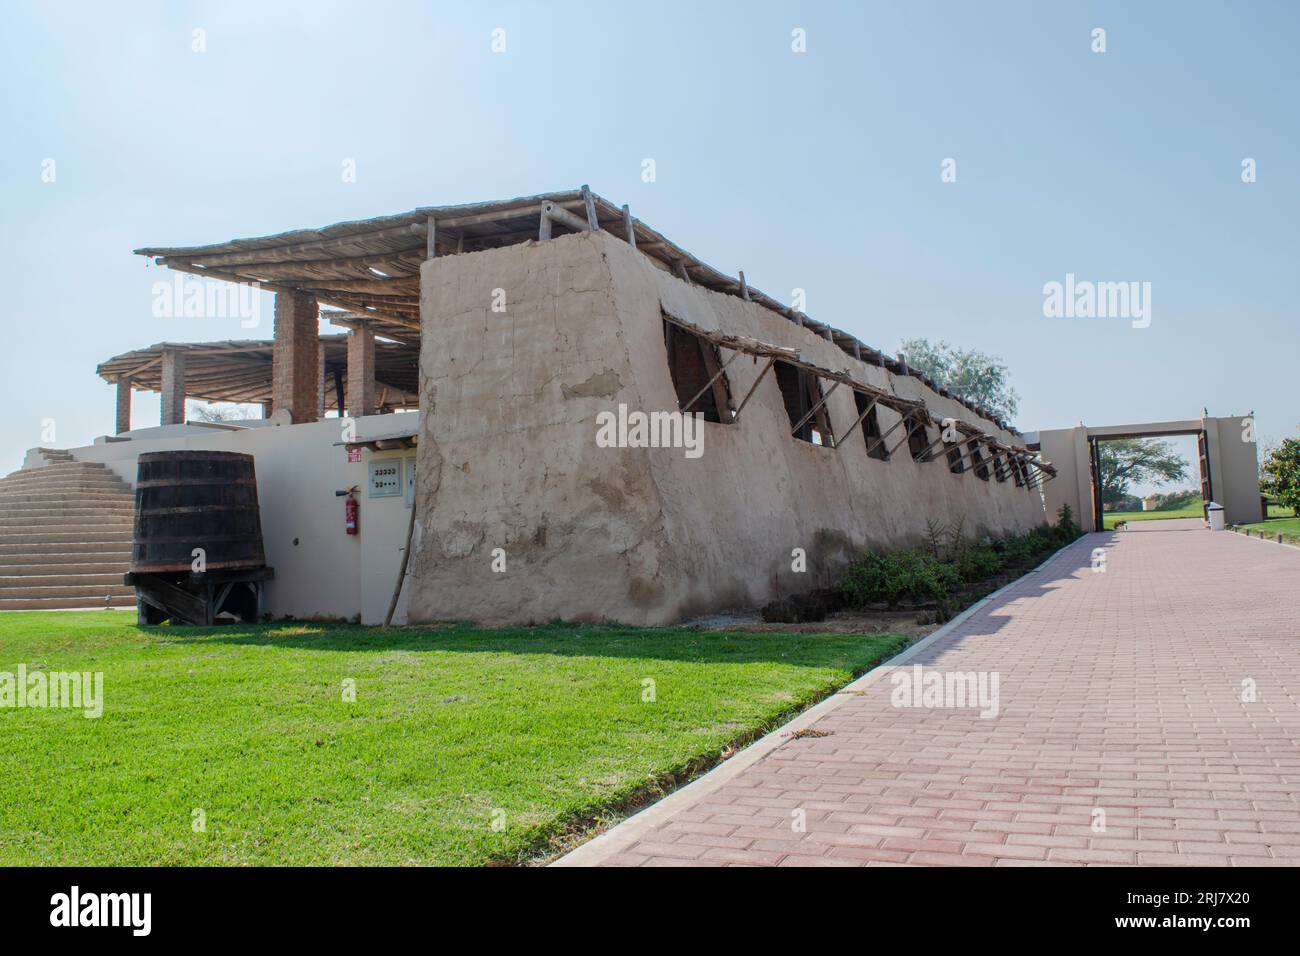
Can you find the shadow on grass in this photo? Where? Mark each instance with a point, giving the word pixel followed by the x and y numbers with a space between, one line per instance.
pixel 859 651
pixel 565 640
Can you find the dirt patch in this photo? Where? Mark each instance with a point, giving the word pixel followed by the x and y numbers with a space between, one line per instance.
pixel 841 622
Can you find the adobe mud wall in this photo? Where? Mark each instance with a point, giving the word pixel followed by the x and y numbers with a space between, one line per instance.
pixel 510 473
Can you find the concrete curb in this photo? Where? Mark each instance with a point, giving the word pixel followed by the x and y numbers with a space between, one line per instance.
pixel 624 834
pixel 1251 537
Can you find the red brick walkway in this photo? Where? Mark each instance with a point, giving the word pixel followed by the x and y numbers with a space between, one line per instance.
pixel 1119 691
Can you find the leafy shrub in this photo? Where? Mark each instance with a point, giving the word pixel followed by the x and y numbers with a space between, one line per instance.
pixel 892 577
pixel 1067 529
pixel 1280 474
pixel 1020 548
pixel 932 575
pixel 977 563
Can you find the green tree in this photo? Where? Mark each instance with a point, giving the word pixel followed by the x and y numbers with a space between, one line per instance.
pixel 1128 460
pixel 970 373
pixel 1280 475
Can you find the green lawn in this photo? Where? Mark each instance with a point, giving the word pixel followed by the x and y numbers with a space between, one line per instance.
pixel 1287 526
pixel 453 730
pixel 1193 509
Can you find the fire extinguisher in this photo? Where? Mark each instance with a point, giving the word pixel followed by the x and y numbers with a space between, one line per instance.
pixel 351 509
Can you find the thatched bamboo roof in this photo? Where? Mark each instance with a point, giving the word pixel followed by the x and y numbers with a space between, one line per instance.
pixel 240 371
pixel 371 267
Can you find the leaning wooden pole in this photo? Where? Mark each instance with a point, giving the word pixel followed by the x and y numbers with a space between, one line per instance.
pixel 401 572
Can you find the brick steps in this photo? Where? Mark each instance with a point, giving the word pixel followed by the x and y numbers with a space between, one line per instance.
pixel 12 500
pixel 88 518
pixel 75 482
pixel 10 584
pixel 108 563
pixel 72 508
pixel 65 536
pixel 10 592
pixel 43 550
pixel 40 536
pixel 65 603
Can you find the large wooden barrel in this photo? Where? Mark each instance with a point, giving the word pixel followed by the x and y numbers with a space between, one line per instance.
pixel 196 499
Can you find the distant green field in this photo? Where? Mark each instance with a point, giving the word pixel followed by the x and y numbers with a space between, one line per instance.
pixel 1193 509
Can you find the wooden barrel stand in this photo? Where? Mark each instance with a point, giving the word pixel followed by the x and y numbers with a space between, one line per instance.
pixel 197 555
pixel 199 598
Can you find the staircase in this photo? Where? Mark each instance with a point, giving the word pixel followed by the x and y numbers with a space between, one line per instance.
pixel 65 536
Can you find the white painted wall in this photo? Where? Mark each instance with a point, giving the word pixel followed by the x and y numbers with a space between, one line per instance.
pixel 320 571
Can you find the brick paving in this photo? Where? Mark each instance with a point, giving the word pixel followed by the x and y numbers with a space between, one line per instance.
pixel 1119 691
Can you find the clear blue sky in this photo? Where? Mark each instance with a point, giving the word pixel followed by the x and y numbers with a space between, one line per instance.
pixel 817 170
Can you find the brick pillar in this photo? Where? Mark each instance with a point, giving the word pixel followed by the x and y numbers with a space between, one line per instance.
pixel 296 360
pixel 361 371
pixel 320 379
pixel 173 388
pixel 123 405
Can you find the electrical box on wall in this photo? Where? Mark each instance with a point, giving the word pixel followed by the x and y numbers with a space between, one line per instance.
pixel 408 467
pixel 385 478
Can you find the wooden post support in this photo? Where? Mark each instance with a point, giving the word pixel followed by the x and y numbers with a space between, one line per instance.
pixel 340 399
pixel 629 226
pixel 431 239
pixel 907 435
pixel 401 571
pixel 123 405
pixel 857 350
pixel 590 202
pixel 544 228
pixel 892 428
pixel 926 455
pixel 865 412
pixel 744 287
pixel 710 383
pixel 753 388
pixel 680 267
pixel 557 213
pixel 972 444
pixel 813 411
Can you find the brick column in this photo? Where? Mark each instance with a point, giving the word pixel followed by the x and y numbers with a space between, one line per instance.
pixel 123 405
pixel 173 388
pixel 320 379
pixel 361 371
pixel 295 362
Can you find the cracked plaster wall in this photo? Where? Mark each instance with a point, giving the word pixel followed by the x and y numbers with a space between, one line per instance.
pixel 508 458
